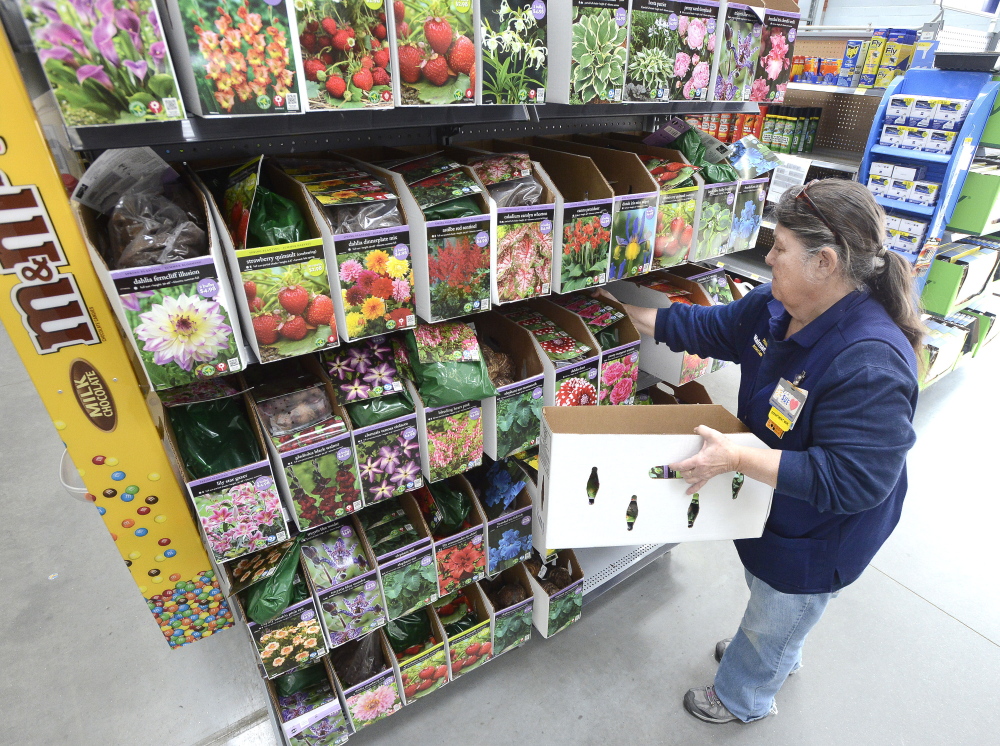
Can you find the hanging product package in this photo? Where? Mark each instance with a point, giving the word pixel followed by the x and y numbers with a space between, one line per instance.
pixel 517 192
pixel 690 144
pixel 300 680
pixel 463 207
pixel 275 220
pixel 382 409
pixel 448 367
pixel 213 436
pixel 358 660
pixel 265 600
pixel 156 223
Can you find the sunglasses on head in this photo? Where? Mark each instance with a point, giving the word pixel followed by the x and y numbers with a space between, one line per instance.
pixel 804 196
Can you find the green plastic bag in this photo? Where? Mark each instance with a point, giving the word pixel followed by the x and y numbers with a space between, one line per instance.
pixel 274 220
pixel 380 409
pixel 463 207
pixel 444 382
pixel 691 146
pixel 607 338
pixel 453 508
pixel 214 436
pixel 408 631
pixel 297 681
pixel 265 600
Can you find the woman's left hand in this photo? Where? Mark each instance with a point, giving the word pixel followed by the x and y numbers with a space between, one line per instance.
pixel 718 455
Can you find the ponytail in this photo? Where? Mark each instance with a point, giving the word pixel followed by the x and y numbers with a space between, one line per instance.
pixel 892 285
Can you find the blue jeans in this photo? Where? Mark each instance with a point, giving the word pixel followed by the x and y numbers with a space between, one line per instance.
pixel 766 648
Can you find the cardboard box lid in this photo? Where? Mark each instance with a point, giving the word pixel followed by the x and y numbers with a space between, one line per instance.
pixel 678 419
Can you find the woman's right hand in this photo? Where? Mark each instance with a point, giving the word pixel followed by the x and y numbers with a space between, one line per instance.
pixel 602 293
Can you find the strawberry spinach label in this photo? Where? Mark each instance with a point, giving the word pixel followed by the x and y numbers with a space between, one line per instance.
pixel 576 385
pixel 586 245
pixel 458 261
pixel 376 281
pixel 152 296
pixel 287 293
pixel 519 412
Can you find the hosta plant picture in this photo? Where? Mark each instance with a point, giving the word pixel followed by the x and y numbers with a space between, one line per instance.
pixel 597 70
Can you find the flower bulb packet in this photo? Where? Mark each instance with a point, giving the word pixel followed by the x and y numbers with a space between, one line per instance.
pixel 423 167
pixel 290 406
pixel 447 365
pixel 501 167
pixel 435 190
pixel 595 315
pixel 364 370
pixel 333 555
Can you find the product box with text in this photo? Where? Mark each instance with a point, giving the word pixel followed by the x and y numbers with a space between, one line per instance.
pixel 511 621
pixel 738 50
pixel 588 51
pixel 435 52
pixel 715 223
pixel 376 482
pixel 605 479
pixel 460 557
pixel 781 25
pixel 375 697
pixel 512 36
pixel 312 715
pixel 290 641
pixel 424 672
pixel 408 573
pixel 470 648
pixel 554 609
pixel 748 210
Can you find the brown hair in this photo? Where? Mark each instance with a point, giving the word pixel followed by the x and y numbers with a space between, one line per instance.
pixel 859 221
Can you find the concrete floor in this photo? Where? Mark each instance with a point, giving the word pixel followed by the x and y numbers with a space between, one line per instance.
pixel 910 654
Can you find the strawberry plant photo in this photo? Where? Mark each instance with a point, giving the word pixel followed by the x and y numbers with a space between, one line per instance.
pixel 346 56
pixel 514 51
pixel 291 309
pixel 106 60
pixel 243 57
pixel 435 51
pixel 674 228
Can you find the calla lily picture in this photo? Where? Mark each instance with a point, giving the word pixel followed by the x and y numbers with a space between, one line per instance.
pixel 106 60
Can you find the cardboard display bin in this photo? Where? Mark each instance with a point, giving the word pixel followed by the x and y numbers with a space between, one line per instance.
pixel 512 624
pixel 310 717
pixel 435 425
pixel 472 648
pixel 582 217
pixel 274 642
pixel 349 601
pixel 652 292
pixel 553 613
pixel 383 686
pixel 427 671
pixel 140 297
pixel 958 273
pixel 595 470
pixel 512 419
pixel 559 389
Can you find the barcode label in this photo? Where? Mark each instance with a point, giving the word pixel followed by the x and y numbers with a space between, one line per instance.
pixel 234 364
pixel 292 100
pixel 540 96
pixel 171 108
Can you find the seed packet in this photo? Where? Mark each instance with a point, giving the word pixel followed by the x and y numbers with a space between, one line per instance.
pixel 494 169
pixel 752 159
pixel 364 370
pixel 424 167
pixel 334 556
pixel 290 406
pixel 595 315
pixel 435 52
pixel 444 187
pixel 388 458
pixel 599 51
pixel 675 221
pixel 696 41
pixel 738 54
pixel 385 512
pixel 107 63
pixel 514 47
pixel 668 174
pixel 652 51
pixel 291 640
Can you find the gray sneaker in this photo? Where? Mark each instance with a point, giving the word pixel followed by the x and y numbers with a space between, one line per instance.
pixel 720 650
pixel 704 705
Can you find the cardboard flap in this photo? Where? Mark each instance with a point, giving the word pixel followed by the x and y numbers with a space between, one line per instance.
pixel 654 419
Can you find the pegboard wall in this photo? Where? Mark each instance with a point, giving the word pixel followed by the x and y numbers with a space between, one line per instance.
pixel 846 119
pixel 824 46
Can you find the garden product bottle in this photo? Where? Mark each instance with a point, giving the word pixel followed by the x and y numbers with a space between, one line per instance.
pixel 593 484
pixel 738 484
pixel 767 131
pixel 814 114
pixel 801 125
pixel 781 129
pixel 788 128
pixel 632 513
pixel 693 510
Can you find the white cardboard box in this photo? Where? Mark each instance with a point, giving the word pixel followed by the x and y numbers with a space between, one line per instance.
pixel 623 444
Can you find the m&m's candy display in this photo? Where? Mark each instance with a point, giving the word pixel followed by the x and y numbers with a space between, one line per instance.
pixel 192 609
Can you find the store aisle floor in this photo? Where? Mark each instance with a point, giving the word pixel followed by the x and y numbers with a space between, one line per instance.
pixel 910 654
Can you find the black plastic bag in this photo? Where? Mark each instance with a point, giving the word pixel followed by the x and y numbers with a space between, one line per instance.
pixel 214 436
pixel 408 631
pixel 265 600
pixel 358 660
pixel 275 220
pixel 155 223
